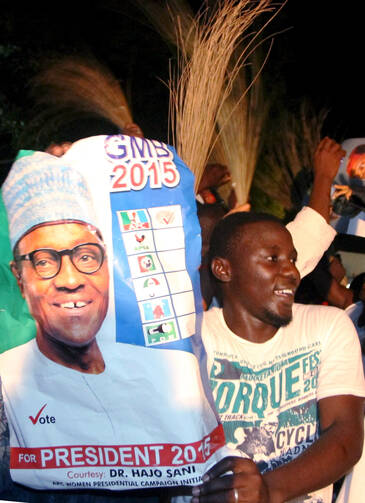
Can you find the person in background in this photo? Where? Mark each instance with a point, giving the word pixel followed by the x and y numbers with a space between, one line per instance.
pixel 357 286
pixel 214 177
pixel 58 149
pixel 326 284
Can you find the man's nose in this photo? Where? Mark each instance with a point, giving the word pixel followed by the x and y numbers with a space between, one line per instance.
pixel 68 276
pixel 289 269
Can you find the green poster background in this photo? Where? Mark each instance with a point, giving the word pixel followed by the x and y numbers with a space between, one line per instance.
pixel 16 324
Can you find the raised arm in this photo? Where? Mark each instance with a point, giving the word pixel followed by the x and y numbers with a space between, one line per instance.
pixel 327 159
pixel 311 233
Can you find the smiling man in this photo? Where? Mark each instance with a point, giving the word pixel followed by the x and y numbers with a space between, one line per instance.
pixel 287 378
pixel 62 273
pixel 60 260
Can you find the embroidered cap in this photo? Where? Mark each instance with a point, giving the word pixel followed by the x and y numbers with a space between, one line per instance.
pixel 40 188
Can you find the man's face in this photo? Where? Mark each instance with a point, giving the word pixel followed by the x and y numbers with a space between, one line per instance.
pixel 263 273
pixel 71 306
pixel 358 167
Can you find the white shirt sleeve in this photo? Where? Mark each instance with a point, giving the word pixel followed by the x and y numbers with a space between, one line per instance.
pixel 341 371
pixel 312 236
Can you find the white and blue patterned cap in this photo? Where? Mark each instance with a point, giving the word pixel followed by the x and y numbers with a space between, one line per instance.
pixel 39 189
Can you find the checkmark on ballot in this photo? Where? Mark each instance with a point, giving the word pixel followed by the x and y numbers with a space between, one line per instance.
pixel 166 217
pixel 35 419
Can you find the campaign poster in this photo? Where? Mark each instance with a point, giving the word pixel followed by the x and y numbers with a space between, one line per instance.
pixel 112 392
pixel 348 193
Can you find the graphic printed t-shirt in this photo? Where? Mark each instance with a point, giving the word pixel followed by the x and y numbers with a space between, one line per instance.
pixel 266 394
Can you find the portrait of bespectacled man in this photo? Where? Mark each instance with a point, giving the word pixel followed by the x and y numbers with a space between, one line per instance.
pixel 61 269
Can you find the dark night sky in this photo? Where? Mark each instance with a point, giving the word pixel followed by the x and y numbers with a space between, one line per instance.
pixel 318 56
pixel 326 45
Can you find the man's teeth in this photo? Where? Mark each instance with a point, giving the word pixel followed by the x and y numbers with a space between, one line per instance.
pixel 285 291
pixel 72 305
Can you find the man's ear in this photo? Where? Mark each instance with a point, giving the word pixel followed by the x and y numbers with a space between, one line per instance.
pixel 18 276
pixel 221 269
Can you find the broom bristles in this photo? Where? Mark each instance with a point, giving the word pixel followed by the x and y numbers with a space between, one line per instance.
pixel 84 85
pixel 204 81
pixel 162 15
pixel 241 119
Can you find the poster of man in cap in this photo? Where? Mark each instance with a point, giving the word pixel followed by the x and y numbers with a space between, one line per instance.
pixel 110 386
pixel 349 190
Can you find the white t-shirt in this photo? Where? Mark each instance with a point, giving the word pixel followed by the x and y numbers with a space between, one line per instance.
pixel 266 394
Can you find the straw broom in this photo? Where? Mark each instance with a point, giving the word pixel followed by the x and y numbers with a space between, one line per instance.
pixel 204 81
pixel 73 85
pixel 164 18
pixel 240 120
pixel 237 137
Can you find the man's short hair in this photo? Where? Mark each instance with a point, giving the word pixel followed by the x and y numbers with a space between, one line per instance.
pixel 227 234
